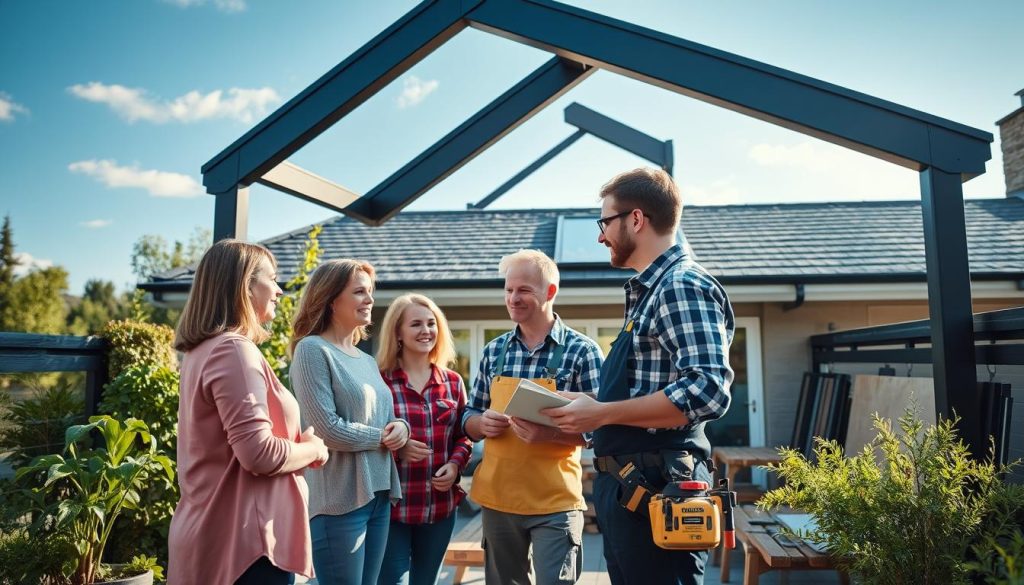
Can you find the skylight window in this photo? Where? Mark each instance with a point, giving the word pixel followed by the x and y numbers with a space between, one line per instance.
pixel 576 241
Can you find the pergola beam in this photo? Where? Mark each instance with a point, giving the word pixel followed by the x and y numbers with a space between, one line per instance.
pixel 342 89
pixel 475 135
pixel 614 132
pixel 588 121
pixel 295 180
pixel 882 129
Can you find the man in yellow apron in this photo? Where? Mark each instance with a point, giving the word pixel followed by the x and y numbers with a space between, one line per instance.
pixel 530 481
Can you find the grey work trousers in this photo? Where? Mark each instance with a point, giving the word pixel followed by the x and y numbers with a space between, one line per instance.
pixel 556 555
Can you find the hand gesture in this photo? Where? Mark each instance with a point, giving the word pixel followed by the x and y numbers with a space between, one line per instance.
pixel 583 415
pixel 395 435
pixel 445 477
pixel 493 423
pixel 531 432
pixel 322 454
pixel 414 451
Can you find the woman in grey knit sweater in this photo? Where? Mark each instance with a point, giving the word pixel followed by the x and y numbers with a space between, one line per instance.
pixel 341 394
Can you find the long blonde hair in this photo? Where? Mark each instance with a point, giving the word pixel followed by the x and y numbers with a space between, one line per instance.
pixel 219 299
pixel 327 282
pixel 388 353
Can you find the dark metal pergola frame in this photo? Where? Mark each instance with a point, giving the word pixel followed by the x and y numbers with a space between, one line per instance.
pixel 945 153
pixel 588 121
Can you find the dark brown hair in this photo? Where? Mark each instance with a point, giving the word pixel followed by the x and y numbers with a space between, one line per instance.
pixel 653 192
pixel 326 283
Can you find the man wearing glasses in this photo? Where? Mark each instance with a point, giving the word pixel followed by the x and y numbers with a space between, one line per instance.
pixel 666 376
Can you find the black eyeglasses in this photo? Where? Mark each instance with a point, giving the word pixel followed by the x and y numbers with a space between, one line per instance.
pixel 605 221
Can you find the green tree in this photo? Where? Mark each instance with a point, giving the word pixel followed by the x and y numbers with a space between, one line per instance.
pixel 8 263
pixel 151 254
pixel 36 303
pixel 99 305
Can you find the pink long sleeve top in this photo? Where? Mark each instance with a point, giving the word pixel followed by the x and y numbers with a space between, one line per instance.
pixel 236 428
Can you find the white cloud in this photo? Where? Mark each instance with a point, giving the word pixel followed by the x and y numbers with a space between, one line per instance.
pixel 132 103
pixel 27 263
pixel 222 5
pixel 158 183
pixel 415 90
pixel 830 172
pixel 718 192
pixel 94 224
pixel 8 108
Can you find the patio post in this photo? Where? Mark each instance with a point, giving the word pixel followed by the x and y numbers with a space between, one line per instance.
pixel 231 213
pixel 949 304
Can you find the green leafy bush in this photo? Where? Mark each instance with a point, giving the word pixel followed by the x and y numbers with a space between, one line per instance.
pixel 147 392
pixel 275 349
pixel 909 508
pixel 95 485
pixel 136 343
pixel 35 426
pixel 24 559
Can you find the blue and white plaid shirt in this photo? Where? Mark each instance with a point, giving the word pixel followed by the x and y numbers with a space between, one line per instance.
pixel 682 336
pixel 580 370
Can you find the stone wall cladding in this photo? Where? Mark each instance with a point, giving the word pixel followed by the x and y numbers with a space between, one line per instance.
pixel 1011 134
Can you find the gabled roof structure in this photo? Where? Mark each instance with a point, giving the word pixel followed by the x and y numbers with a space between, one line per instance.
pixel 944 152
pixel 849 243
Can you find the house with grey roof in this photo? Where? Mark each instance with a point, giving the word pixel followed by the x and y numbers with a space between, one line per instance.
pixel 791 271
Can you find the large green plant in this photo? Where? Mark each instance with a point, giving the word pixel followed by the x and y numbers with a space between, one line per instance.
pixel 147 392
pixel 35 425
pixel 907 509
pixel 275 349
pixel 96 484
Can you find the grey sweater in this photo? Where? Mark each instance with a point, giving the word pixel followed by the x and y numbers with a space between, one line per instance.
pixel 348 404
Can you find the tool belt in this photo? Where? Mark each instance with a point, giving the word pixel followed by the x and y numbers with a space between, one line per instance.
pixel 631 472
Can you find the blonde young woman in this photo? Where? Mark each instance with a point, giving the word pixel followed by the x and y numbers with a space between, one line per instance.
pixel 415 347
pixel 342 395
pixel 242 515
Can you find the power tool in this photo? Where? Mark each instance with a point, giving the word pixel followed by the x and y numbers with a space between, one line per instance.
pixel 687 515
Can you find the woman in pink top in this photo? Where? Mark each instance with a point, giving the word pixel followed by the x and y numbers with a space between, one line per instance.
pixel 242 516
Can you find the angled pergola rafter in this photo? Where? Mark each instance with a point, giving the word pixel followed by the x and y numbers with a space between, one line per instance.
pixel 588 121
pixel 945 153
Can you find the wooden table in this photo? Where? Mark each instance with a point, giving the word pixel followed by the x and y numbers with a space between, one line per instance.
pixel 736 459
pixel 766 549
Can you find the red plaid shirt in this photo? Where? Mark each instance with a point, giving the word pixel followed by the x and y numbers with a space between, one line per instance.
pixel 434 418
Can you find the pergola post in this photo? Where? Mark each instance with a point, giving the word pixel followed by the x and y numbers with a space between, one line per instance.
pixel 949 304
pixel 231 213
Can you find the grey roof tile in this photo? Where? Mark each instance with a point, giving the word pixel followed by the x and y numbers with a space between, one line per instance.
pixel 856 240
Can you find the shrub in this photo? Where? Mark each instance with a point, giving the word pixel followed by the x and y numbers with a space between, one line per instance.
pixel 95 486
pixel 147 392
pixel 35 426
pixel 275 349
pixel 44 559
pixel 910 515
pixel 137 343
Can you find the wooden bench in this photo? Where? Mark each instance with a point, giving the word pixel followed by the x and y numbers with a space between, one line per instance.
pixel 767 550
pixel 465 548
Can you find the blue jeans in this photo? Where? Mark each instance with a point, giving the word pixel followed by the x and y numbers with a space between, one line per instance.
pixel 348 549
pixel 415 552
pixel 629 550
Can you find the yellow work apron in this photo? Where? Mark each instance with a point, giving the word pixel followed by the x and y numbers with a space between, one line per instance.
pixel 523 478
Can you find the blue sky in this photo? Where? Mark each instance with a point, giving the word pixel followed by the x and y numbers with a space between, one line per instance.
pixel 108 109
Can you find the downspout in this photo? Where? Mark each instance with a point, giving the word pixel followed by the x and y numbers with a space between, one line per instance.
pixel 799 300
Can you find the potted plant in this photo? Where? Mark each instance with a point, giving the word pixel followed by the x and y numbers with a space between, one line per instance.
pixel 912 507
pixel 86 489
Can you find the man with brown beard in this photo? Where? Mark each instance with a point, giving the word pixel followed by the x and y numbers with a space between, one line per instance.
pixel 666 376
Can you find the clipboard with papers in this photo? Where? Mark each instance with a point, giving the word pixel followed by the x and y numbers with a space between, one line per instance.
pixel 529 398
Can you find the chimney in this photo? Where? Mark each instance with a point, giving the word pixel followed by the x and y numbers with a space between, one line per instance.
pixel 1011 136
